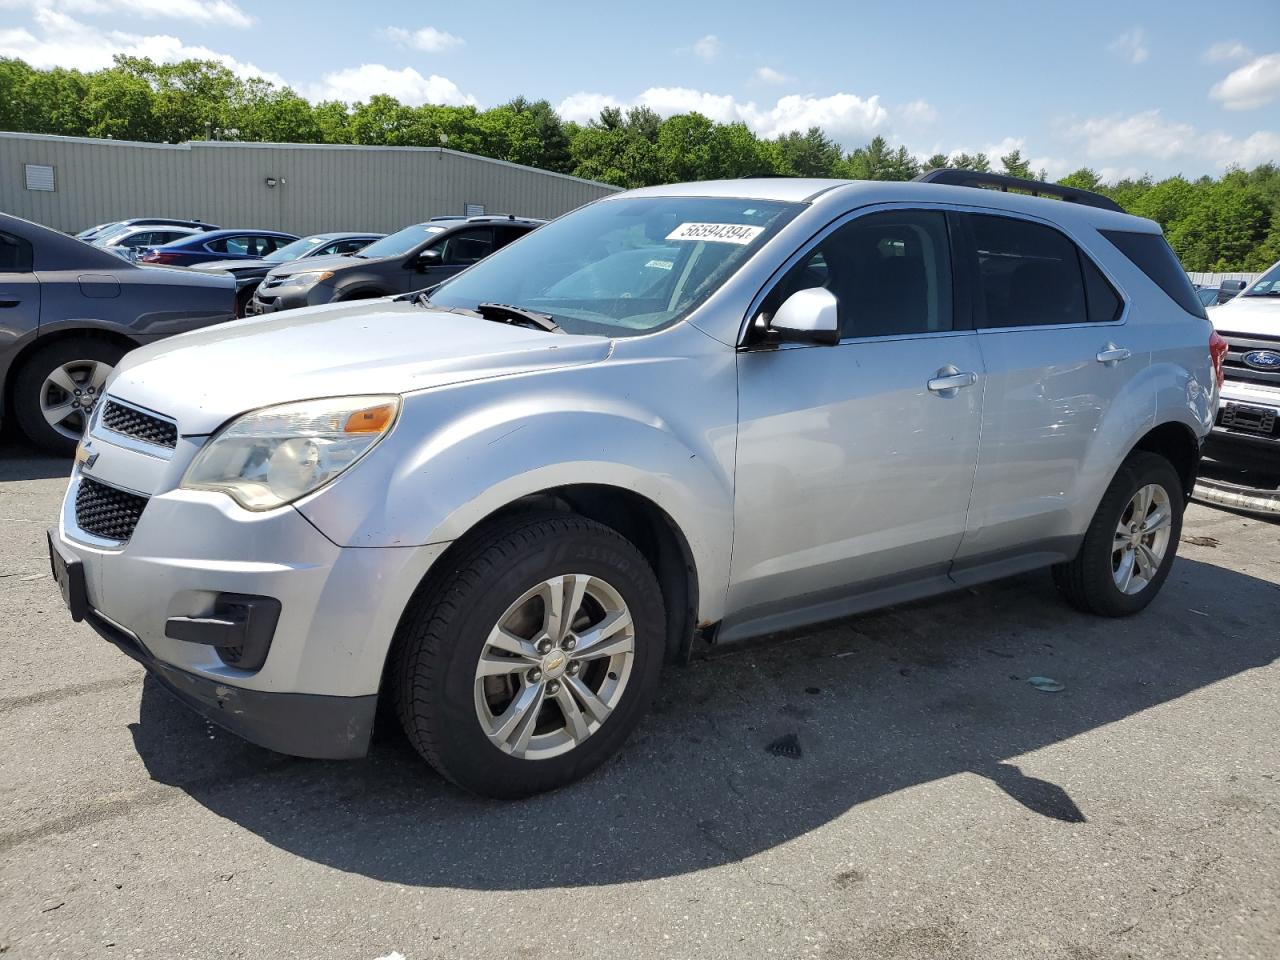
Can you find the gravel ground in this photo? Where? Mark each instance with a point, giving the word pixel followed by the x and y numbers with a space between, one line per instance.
pixel 940 806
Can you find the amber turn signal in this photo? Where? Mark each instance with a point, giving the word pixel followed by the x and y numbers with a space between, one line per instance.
pixel 371 419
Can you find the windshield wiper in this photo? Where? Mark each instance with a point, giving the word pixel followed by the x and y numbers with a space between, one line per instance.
pixel 506 313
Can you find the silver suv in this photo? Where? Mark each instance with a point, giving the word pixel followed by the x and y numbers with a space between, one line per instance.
pixel 712 410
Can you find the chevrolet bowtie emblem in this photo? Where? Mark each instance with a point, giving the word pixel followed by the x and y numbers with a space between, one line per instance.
pixel 86 457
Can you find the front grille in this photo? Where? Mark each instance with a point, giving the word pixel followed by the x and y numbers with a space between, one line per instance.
pixel 106 511
pixel 1239 346
pixel 141 426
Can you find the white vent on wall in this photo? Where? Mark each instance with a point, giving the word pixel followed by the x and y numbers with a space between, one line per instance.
pixel 473 210
pixel 39 176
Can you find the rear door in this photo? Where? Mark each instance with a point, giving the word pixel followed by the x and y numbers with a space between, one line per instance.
pixel 1058 350
pixel 856 461
pixel 19 291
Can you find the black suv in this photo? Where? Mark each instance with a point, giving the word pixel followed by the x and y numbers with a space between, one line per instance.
pixel 414 258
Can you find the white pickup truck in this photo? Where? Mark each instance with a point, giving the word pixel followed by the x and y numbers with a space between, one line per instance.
pixel 1249 413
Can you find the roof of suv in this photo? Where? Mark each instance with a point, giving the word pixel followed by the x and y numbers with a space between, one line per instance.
pixel 811 190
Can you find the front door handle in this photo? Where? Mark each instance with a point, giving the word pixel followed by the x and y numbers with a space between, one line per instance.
pixel 1111 355
pixel 950 380
pixel 8 300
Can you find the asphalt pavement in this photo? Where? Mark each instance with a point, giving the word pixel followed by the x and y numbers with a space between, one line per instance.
pixel 888 786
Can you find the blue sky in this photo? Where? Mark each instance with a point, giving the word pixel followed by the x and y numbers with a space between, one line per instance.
pixel 1123 87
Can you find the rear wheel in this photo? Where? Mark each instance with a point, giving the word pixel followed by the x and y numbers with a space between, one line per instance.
pixel 1131 544
pixel 531 662
pixel 58 387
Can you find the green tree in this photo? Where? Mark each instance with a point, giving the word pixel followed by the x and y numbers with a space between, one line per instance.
pixel 808 154
pixel 1082 179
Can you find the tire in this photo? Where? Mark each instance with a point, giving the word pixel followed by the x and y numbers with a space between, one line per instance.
pixel 242 301
pixel 445 706
pixel 85 362
pixel 1092 581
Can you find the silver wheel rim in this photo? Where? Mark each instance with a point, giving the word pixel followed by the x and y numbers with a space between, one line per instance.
pixel 69 393
pixel 1142 539
pixel 554 666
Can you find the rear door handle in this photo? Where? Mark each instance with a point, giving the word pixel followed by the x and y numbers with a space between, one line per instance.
pixel 950 380
pixel 8 300
pixel 1111 355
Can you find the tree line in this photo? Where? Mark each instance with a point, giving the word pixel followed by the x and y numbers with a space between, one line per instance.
pixel 1225 223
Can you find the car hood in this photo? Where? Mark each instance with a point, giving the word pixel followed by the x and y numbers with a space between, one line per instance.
pixel 231 266
pixel 1248 315
pixel 204 378
pixel 332 262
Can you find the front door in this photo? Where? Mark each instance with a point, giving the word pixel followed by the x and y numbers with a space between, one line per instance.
pixel 855 462
pixel 458 250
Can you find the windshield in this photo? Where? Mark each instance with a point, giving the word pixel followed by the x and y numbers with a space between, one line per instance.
pixel 295 250
pixel 1267 285
pixel 622 267
pixel 400 242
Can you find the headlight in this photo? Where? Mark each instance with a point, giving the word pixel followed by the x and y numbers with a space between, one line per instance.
pixel 273 456
pixel 308 278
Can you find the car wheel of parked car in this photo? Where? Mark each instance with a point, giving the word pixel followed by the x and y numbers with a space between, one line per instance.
pixel 529 664
pixel 1129 547
pixel 57 387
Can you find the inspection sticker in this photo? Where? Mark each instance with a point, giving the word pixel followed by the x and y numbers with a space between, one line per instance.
pixel 739 233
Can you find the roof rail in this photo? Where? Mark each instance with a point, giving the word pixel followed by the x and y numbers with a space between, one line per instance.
pixel 1037 188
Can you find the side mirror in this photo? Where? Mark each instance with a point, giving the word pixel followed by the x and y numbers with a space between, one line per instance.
pixel 431 257
pixel 808 316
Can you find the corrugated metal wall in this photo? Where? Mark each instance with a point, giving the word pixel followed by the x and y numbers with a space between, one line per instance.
pixel 317 187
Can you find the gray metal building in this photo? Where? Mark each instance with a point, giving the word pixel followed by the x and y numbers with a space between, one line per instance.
pixel 70 183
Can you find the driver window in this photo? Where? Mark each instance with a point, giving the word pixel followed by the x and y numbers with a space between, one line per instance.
pixel 466 246
pixel 890 273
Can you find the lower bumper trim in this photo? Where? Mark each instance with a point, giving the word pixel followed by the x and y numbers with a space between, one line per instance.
pixel 300 724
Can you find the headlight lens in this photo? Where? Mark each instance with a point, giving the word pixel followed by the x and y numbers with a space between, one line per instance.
pixel 273 456
pixel 306 279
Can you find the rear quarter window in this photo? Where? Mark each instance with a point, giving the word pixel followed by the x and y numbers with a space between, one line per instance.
pixel 15 254
pixel 1151 254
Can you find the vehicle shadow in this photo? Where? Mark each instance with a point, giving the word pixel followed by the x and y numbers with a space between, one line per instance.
pixel 20 461
pixel 876 704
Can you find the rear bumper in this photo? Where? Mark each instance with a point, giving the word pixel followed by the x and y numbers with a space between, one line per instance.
pixel 300 724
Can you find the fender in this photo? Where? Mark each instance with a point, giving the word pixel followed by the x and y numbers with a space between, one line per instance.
pixel 490 443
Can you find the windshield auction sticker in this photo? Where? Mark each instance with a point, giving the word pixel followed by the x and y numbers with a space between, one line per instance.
pixel 739 233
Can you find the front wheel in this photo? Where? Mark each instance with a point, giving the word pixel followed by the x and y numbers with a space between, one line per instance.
pixel 57 388
pixel 1130 546
pixel 530 663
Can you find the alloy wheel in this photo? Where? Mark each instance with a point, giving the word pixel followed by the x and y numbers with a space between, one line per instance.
pixel 69 393
pixel 554 666
pixel 1141 539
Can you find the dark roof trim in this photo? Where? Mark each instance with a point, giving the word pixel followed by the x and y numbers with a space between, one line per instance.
pixel 1037 188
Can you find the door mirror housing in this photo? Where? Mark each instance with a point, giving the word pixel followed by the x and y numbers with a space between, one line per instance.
pixel 431 257
pixel 807 316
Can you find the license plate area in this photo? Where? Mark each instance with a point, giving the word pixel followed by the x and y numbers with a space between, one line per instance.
pixel 69 575
pixel 1249 419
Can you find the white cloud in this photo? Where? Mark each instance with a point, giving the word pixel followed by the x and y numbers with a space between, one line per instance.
pixel 1227 50
pixel 407 86
pixel 918 111
pixel 61 41
pixel 1143 140
pixel 771 76
pixel 1131 45
pixel 223 13
pixel 428 39
pixel 1255 84
pixel 708 48
pixel 848 118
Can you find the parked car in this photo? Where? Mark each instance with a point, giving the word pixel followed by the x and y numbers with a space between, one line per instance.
pixel 418 256
pixel 217 245
pixel 1249 417
pixel 249 273
pixel 721 409
pixel 97 233
pixel 69 311
pixel 1208 296
pixel 130 241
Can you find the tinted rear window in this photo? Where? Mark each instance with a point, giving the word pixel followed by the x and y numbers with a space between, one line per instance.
pixel 1151 254
pixel 1030 274
pixel 15 254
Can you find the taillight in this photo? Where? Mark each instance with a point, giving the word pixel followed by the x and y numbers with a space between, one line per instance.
pixel 155 256
pixel 1218 353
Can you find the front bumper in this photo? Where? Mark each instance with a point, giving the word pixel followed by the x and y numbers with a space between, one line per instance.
pixel 274 299
pixel 1248 416
pixel 339 606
